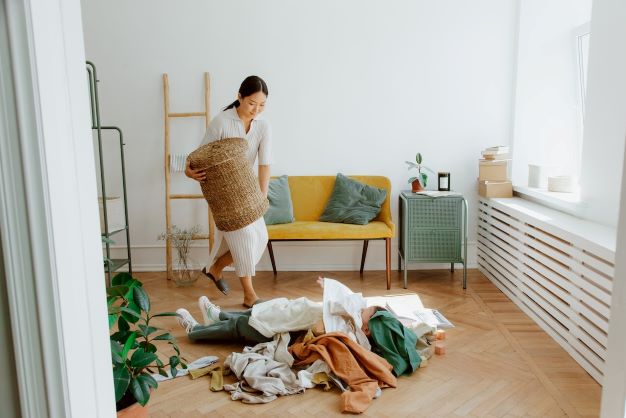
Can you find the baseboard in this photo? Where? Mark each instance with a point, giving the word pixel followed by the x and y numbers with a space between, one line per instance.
pixel 298 256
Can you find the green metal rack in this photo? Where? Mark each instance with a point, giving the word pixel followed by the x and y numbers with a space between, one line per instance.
pixel 113 264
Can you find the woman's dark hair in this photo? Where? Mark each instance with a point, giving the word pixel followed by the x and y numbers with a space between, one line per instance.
pixel 249 86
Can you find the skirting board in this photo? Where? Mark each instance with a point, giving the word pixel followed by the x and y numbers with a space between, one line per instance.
pixel 297 256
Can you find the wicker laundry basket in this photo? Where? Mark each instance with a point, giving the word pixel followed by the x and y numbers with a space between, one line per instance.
pixel 231 188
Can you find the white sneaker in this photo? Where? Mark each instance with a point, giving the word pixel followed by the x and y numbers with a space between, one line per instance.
pixel 210 311
pixel 186 320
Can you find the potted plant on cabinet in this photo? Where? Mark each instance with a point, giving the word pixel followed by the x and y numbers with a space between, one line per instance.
pixel 419 182
pixel 133 353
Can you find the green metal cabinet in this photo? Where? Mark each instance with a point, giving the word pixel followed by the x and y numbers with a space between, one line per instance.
pixel 432 230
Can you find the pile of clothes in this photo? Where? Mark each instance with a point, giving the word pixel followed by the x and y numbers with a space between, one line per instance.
pixel 340 353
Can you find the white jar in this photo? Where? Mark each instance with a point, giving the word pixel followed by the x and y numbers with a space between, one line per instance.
pixel 563 184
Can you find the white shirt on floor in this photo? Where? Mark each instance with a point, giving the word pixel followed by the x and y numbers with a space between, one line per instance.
pixel 342 311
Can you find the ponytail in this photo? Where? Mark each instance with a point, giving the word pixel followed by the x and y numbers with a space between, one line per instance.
pixel 233 104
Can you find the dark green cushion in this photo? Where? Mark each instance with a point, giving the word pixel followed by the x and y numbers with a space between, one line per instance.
pixel 353 202
pixel 281 208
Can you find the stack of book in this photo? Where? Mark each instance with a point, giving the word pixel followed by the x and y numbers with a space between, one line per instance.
pixel 493 172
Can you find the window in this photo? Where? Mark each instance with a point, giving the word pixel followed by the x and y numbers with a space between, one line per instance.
pixel 553 45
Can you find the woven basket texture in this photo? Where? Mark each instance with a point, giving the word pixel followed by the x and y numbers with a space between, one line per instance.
pixel 231 188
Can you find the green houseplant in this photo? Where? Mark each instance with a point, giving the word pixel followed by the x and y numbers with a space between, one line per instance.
pixel 420 181
pixel 133 352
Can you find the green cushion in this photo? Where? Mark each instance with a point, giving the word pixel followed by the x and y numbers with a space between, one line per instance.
pixel 353 202
pixel 281 208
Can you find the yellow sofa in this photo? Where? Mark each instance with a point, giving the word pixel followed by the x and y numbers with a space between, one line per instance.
pixel 309 195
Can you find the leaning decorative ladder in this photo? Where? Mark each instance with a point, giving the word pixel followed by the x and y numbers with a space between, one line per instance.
pixel 112 264
pixel 168 115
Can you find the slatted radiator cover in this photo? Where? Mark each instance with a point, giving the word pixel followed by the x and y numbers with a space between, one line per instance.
pixel 558 269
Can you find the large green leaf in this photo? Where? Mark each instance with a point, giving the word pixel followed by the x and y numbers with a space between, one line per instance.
pixel 121 279
pixel 166 336
pixel 142 358
pixel 121 336
pixel 150 348
pixel 131 313
pixel 141 298
pixel 117 290
pixel 116 350
pixel 147 330
pixel 145 377
pixel 112 320
pixel 121 379
pixel 122 324
pixel 174 361
pixel 140 390
pixel 128 345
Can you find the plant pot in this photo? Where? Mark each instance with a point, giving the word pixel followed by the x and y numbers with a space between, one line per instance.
pixel 416 186
pixel 133 411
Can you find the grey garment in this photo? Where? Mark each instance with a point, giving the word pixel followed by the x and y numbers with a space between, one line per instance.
pixel 261 378
pixel 232 327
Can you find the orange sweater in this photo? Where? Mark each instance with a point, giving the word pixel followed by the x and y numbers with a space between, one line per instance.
pixel 362 370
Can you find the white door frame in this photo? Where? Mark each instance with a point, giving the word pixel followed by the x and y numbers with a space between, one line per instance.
pixel 49 214
pixel 614 385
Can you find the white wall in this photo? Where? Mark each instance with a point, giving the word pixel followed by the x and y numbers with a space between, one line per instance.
pixel 355 87
pixel 605 119
pixel 548 128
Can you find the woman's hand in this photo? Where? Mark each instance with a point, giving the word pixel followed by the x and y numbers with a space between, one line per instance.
pixel 198 175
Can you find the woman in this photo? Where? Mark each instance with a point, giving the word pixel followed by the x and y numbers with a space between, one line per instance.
pixel 243 247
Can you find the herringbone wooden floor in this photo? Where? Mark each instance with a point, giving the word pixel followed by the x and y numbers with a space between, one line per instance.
pixel 498 362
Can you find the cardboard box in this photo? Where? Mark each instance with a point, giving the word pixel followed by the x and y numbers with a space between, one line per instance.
pixel 495 188
pixel 493 170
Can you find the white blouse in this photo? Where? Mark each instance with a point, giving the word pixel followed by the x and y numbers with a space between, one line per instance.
pixel 228 125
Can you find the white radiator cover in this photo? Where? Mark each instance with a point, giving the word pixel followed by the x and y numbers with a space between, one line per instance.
pixel 557 268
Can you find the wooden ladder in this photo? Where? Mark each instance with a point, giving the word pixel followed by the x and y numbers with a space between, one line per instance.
pixel 169 196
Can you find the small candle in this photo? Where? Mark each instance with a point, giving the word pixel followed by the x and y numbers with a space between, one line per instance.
pixel 444 181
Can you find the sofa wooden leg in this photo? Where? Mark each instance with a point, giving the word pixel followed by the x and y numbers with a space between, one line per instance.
pixel 388 261
pixel 365 244
pixel 271 251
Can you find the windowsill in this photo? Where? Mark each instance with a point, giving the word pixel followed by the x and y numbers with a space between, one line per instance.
pixel 564 202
